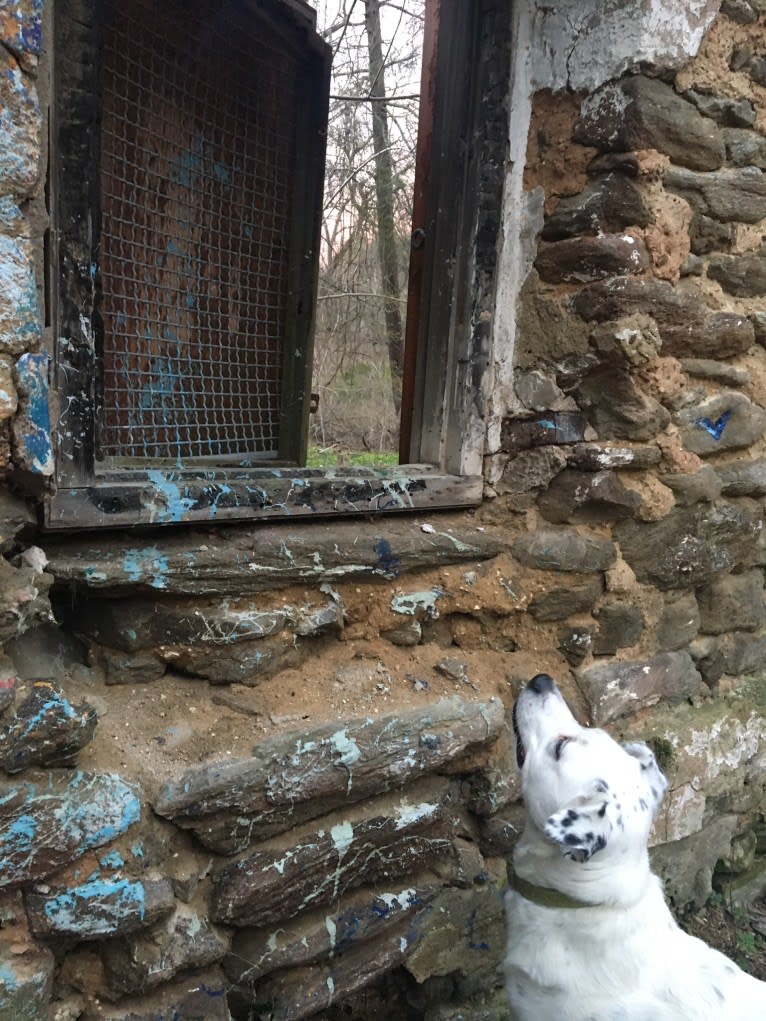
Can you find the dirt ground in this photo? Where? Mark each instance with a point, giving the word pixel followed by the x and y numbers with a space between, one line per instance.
pixel 738 934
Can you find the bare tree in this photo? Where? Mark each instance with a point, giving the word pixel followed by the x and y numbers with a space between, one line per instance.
pixel 365 234
pixel 384 199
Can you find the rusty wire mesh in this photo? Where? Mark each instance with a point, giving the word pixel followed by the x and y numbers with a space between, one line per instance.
pixel 197 153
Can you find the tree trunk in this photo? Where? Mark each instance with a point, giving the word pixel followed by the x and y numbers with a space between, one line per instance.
pixel 384 196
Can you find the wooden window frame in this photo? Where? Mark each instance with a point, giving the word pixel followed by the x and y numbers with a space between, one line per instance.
pixel 442 420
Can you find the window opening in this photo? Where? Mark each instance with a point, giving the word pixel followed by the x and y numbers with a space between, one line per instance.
pixel 197 154
pixel 187 157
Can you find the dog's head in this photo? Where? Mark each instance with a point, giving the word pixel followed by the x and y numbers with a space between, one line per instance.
pixel 582 789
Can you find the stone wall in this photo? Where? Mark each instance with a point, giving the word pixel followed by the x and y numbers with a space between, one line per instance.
pixel 266 772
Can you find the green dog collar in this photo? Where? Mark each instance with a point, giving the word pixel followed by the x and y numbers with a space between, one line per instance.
pixel 544 896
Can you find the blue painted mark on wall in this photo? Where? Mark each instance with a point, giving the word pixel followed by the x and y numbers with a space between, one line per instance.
pixel 8 977
pixel 49 823
pixel 96 908
pixel 22 25
pixel 176 504
pixel 715 429
pixel 148 565
pixel 33 434
pixel 388 563
pixel 112 860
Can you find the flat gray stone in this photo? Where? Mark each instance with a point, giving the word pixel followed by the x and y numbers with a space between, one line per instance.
pixel 645 113
pixel 606 205
pixel 691 546
pixel 26 969
pixel 727 421
pixel 564 550
pixel 618 409
pixel 145 960
pixel 707 235
pixel 719 372
pixel 631 342
pixel 745 148
pixel 744 276
pixel 587 498
pixel 729 113
pixel 703 486
pixel 198 996
pixel 576 643
pixel 582 259
pixel 252 560
pixel 758 320
pixel 687 327
pixel 531 469
pixel 620 625
pixel 358 917
pixel 575 594
pixel 743 478
pixel 379 840
pixel 610 457
pixel 732 195
pixel 743 654
pixel 679 623
pixel 734 602
pixel 616 689
pixel 553 428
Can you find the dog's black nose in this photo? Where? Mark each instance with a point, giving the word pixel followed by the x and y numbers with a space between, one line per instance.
pixel 542 684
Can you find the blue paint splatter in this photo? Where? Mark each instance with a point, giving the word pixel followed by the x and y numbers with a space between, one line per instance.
pixel 146 565
pixel 8 977
pixel 112 860
pixel 387 564
pixel 35 433
pixel 715 429
pixel 176 504
pixel 95 907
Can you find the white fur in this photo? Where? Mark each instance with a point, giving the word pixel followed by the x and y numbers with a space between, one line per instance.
pixel 588 816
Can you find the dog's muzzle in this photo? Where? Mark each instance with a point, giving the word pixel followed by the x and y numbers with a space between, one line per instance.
pixel 541 684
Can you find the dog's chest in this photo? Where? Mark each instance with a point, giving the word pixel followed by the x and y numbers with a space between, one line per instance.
pixel 614 965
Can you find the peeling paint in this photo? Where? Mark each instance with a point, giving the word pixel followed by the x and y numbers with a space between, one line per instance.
pixel 96 907
pixel 413 603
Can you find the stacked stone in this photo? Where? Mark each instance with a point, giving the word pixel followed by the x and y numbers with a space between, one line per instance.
pixel 332 857
pixel 640 372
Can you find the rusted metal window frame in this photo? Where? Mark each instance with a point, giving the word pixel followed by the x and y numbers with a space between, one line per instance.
pixel 87 496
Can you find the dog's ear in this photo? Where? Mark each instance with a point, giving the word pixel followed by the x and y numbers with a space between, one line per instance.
pixel 656 779
pixel 582 828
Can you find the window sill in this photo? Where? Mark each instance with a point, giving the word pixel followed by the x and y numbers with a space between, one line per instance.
pixel 171 496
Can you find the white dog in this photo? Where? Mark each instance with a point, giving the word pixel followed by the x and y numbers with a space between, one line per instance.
pixel 590 935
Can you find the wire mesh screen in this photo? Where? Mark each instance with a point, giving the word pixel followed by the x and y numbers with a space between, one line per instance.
pixel 197 154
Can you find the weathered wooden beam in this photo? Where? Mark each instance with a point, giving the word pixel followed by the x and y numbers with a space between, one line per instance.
pixel 295 777
pixel 170 497
pixel 247 560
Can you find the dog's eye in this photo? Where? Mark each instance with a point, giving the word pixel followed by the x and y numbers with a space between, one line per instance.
pixel 558 748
